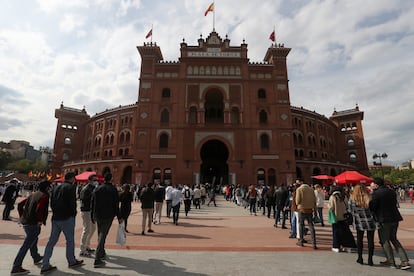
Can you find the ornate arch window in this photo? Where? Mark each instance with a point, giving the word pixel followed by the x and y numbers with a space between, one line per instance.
pixel 163 142
pixel 261 93
pixel 264 142
pixel 262 117
pixel 235 116
pixel 165 116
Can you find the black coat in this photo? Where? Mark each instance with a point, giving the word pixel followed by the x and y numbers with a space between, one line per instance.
pixel 384 205
pixel 10 193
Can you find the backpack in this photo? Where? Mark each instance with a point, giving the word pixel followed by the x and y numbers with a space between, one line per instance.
pixel 187 193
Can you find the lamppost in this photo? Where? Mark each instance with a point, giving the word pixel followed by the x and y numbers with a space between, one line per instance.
pixel 380 157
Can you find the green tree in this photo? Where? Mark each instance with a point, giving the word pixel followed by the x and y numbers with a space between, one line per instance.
pixel 5 159
pixel 21 166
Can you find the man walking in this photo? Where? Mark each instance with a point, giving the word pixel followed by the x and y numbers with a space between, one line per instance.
pixel 159 200
pixel 104 207
pixel 306 204
pixel 384 207
pixel 176 202
pixel 9 198
pixel 187 193
pixel 33 212
pixel 63 204
pixel 147 205
pixel 168 198
pixel 88 227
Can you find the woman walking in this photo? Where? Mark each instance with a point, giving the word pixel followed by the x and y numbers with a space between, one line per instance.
pixel 363 220
pixel 342 238
pixel 125 198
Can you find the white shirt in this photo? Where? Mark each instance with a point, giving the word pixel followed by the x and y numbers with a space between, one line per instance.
pixel 175 196
pixel 168 192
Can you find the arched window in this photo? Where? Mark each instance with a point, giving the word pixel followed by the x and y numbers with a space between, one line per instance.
pixel 112 139
pixel 126 152
pixel 166 93
pixel 235 116
pixel 65 156
pixel 295 139
pixel 193 115
pixel 261 94
pixel 163 143
pixel 165 116
pixel 121 138
pixel 351 141
pixel 128 137
pixel 120 152
pixel 214 107
pixel 68 141
pixel 261 176
pixel 262 117
pixel 264 142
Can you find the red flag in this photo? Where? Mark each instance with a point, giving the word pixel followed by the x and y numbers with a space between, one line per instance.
pixel 272 36
pixel 209 9
pixel 149 34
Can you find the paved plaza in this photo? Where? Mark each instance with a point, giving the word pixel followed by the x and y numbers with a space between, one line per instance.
pixel 222 240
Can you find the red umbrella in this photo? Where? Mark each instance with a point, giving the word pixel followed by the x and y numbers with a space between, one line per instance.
pixel 60 179
pixel 83 177
pixel 352 177
pixel 323 177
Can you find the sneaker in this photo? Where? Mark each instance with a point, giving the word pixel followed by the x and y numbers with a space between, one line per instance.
pixel 143 233
pixel 38 260
pixel 49 269
pixel 405 266
pixel 150 231
pixel 315 247
pixel 299 243
pixel 90 250
pixel 388 263
pixel 335 250
pixel 19 271
pixel 85 254
pixel 76 263
pixel 99 263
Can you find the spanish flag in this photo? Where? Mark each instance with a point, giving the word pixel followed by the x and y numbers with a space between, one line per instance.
pixel 272 36
pixel 209 9
pixel 149 34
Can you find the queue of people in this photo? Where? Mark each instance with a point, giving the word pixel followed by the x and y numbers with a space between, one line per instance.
pixel 300 204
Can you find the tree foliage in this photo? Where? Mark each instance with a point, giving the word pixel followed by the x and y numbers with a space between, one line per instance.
pixel 396 177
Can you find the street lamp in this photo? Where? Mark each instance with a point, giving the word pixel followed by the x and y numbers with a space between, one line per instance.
pixel 380 157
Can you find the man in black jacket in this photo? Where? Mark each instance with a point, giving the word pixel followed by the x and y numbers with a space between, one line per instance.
pixel 63 204
pixel 384 207
pixel 9 198
pixel 104 207
pixel 147 206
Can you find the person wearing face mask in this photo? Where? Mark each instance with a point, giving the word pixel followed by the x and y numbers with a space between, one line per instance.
pixel 88 227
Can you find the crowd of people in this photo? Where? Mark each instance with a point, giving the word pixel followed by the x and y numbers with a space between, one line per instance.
pixel 299 205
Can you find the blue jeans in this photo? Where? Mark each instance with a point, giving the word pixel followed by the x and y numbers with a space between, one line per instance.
pixel 176 212
pixel 252 204
pixel 320 215
pixel 279 209
pixel 66 226
pixel 388 235
pixel 30 242
pixel 301 220
pixel 293 221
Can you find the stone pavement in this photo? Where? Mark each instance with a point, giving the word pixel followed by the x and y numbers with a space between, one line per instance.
pixel 223 240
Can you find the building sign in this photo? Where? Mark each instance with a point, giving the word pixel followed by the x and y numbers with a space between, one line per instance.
pixel 214 54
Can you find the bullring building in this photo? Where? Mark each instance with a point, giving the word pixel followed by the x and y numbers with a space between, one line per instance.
pixel 212 116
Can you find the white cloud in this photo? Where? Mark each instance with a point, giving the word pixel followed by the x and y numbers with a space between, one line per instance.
pixel 70 22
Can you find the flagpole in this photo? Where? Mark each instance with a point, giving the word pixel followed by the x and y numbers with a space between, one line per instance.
pixel 214 16
pixel 274 31
pixel 152 32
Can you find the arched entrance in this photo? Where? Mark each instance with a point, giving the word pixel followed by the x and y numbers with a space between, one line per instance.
pixel 127 175
pixel 214 155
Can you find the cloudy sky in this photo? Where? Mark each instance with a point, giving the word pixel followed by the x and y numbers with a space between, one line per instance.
pixel 84 54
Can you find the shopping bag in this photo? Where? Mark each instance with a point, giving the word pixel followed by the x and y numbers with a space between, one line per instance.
pixel 331 216
pixel 120 234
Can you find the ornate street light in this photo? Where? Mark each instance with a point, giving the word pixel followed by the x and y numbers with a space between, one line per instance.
pixel 380 157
